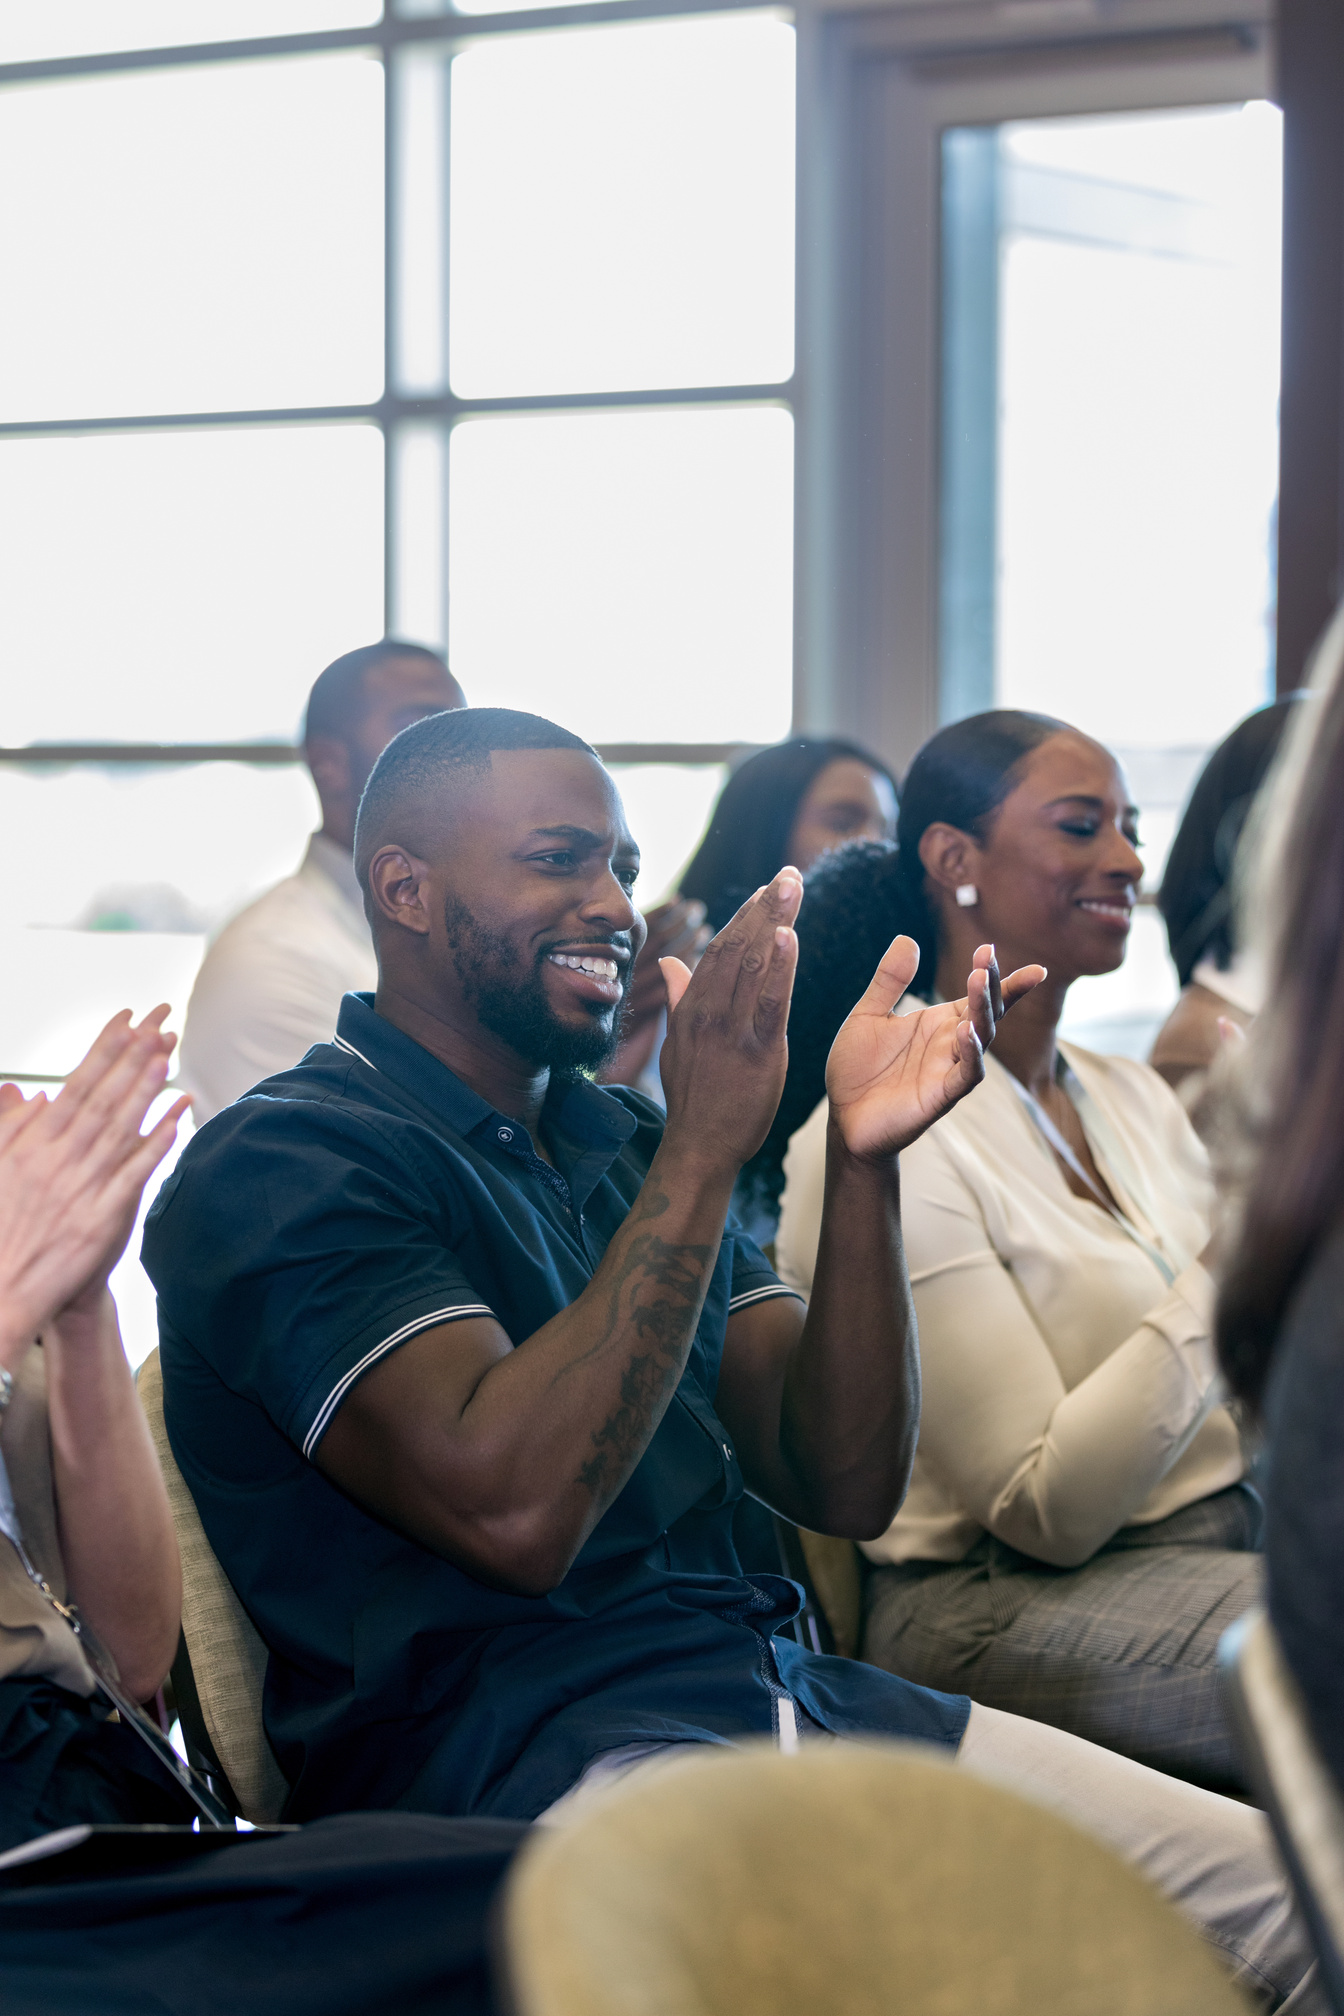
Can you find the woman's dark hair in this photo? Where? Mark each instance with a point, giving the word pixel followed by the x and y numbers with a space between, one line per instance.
pixel 1196 897
pixel 859 898
pixel 959 778
pixel 750 826
pixel 1295 1192
pixel 850 914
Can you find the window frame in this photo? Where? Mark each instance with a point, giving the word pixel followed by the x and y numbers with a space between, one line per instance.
pixel 880 87
pixel 394 409
pixel 864 395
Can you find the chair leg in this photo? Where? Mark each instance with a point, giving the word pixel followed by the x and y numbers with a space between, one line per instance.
pixel 196 1737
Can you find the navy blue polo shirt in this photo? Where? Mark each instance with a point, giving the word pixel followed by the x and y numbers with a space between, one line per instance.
pixel 308 1231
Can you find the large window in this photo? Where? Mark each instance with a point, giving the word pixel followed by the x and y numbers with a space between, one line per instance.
pixel 1110 450
pixel 481 335
pixel 476 331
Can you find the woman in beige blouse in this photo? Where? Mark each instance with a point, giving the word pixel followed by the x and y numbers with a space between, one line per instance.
pixel 1078 1531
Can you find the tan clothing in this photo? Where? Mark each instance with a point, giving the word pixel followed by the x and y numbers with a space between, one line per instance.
pixel 271 984
pixel 35 1643
pixel 1069 1389
pixel 1189 1042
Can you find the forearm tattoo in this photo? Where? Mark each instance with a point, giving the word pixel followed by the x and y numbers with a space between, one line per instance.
pixel 656 1292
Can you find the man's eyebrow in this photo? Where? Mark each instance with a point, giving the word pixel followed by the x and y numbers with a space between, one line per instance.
pixel 581 836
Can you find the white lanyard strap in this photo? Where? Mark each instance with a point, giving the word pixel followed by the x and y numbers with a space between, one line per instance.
pixel 1071 1162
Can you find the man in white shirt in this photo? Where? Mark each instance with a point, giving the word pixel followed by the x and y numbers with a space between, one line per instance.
pixel 271 983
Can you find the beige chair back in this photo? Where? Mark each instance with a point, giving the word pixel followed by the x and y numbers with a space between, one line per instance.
pixel 837 1578
pixel 1293 1780
pixel 228 1656
pixel 850 1879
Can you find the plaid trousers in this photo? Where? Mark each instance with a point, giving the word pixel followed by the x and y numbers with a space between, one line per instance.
pixel 1121 1651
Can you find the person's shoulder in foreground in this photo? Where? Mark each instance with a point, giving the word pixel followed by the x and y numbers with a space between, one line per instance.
pixel 458 1359
pixel 1304 1495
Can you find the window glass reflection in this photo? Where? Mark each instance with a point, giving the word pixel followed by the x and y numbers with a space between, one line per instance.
pixel 193 240
pixel 667 808
pixel 31 30
pixel 622 207
pixel 1111 373
pixel 627 573
pixel 183 585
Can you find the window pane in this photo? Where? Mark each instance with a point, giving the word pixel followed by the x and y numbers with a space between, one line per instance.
pixel 33 29
pixel 194 240
pixel 667 808
pixel 183 586
pixel 1110 454
pixel 622 208
pixel 152 859
pixel 628 573
pixel 100 854
pixel 1111 376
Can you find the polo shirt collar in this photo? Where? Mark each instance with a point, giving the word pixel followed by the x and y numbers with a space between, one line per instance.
pixel 589 1117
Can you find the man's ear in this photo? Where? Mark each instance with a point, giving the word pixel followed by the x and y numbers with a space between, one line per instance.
pixel 399 886
pixel 329 760
pixel 950 857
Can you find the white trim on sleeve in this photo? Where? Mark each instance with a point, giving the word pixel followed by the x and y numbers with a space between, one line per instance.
pixel 343 1385
pixel 750 1295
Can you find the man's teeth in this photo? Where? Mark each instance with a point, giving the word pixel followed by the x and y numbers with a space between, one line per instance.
pixel 602 969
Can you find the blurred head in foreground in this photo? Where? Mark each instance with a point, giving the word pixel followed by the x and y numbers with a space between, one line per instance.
pixel 1290 1076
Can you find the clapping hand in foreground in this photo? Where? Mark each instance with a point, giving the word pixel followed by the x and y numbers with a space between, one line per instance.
pixel 72 1170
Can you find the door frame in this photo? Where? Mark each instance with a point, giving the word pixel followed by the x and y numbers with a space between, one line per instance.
pixel 877 89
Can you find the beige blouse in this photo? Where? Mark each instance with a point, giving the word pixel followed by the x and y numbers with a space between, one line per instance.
pixel 1069 1389
pixel 35 1643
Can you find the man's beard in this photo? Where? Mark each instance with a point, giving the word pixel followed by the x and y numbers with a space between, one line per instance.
pixel 512 1003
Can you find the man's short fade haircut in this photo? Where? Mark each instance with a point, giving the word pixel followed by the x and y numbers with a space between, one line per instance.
pixel 426 757
pixel 337 701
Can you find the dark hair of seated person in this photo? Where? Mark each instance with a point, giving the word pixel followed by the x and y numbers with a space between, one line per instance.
pixel 851 912
pixel 859 898
pixel 1294 1197
pixel 959 777
pixel 1196 897
pixel 416 761
pixel 748 838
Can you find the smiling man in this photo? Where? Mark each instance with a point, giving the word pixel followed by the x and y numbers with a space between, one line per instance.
pixel 466 1366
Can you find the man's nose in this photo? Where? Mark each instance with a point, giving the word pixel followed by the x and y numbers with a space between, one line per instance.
pixel 610 902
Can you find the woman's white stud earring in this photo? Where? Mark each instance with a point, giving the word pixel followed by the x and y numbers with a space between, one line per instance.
pixel 967 895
